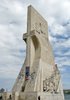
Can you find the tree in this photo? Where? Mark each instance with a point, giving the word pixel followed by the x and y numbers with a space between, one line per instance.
pixel 2 90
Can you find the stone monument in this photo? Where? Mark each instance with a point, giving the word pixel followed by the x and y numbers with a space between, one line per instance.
pixel 39 78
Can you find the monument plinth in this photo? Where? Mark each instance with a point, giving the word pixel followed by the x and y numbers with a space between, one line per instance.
pixel 39 78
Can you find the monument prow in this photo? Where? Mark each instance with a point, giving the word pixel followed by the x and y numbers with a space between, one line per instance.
pixel 39 78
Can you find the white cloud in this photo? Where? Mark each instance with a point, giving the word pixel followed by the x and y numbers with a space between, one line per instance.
pixel 11 30
pixel 13 20
pixel 57 29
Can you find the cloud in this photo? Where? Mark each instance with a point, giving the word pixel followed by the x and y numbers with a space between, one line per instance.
pixel 13 23
pixel 12 47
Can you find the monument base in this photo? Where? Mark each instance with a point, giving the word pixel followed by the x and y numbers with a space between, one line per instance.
pixel 32 96
pixel 28 96
pixel 40 96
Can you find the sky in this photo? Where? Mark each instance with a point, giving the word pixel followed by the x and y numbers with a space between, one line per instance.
pixel 13 24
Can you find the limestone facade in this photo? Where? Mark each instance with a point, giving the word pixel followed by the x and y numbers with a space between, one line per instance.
pixel 39 78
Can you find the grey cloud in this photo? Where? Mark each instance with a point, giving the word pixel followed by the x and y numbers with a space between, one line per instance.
pixel 13 19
